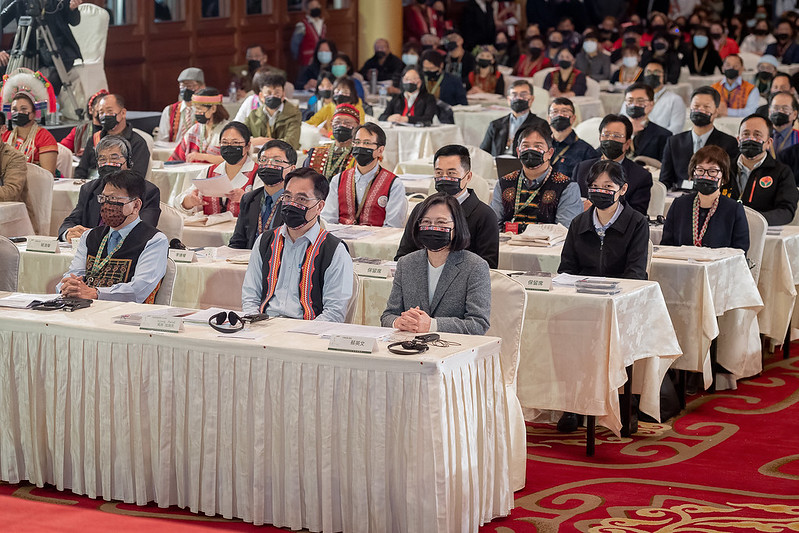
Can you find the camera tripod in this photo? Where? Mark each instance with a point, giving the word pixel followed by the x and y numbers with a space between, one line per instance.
pixel 21 57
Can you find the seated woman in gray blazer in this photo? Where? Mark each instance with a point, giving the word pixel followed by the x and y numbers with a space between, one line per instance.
pixel 442 287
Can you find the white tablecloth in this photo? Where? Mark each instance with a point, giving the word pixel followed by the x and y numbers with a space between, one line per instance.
pixel 162 150
pixel 407 142
pixel 65 198
pixel 273 430
pixel 202 236
pixel 14 220
pixel 174 179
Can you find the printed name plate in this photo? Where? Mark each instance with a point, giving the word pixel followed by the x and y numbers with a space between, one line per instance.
pixel 371 271
pixel 48 245
pixel 535 282
pixel 169 324
pixel 349 343
pixel 181 256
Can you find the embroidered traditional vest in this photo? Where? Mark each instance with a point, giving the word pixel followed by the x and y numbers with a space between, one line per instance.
pixel 374 203
pixel 736 99
pixel 309 40
pixel 317 259
pixel 545 206
pixel 213 205
pixel 318 162
pixel 122 265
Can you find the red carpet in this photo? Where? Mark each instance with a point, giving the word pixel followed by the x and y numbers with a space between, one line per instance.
pixel 730 462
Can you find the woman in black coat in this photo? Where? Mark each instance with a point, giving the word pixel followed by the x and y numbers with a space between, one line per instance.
pixel 706 217
pixel 423 105
pixel 608 239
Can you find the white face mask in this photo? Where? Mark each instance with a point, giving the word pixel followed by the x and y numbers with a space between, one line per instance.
pixel 410 59
pixel 590 47
pixel 629 61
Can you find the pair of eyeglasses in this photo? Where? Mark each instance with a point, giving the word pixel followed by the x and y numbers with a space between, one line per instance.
pixel 300 200
pixel 710 172
pixel 234 321
pixel 273 162
pixel 113 200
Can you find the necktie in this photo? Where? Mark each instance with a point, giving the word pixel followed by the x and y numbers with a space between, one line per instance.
pixel 697 144
pixel 266 209
pixel 113 241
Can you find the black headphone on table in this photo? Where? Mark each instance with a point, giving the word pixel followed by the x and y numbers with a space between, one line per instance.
pixel 419 344
pixel 235 322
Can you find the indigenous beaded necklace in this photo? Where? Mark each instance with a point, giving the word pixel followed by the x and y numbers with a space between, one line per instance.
pixel 699 234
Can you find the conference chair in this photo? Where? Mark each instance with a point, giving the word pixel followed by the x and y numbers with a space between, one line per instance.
pixel 757 240
pixel 508 307
pixel 40 198
pixel 170 223
pixel 9 265
pixel 749 60
pixel 657 199
pixel 588 130
pixel 164 294
pixel 352 306
pixel 591 87
pixel 64 162
pixel 444 112
pixel 728 125
pixel 540 76
pixel 648 161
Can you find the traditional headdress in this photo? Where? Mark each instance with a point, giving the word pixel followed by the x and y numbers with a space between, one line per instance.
pixel 33 85
pixel 348 110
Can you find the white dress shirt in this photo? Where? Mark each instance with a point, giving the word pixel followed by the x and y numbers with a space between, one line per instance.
pixel 150 268
pixel 286 299
pixel 238 181
pixel 396 208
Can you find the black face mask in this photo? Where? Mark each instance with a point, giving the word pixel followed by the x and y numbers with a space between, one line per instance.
pixel 380 55
pixel 519 105
pixel 601 199
pixel 363 155
pixel 700 119
pixel 652 80
pixel 555 45
pixel 560 123
pixel 500 46
pixel 109 122
pixel 751 148
pixel 715 36
pixel 483 63
pixel 186 94
pixel 108 169
pixel 273 102
pixel 315 13
pixel 659 46
pixel 294 215
pixel 731 73
pixel 535 52
pixel 342 133
pixel 410 87
pixel 611 149
pixel 253 65
pixel 434 238
pixel 96 128
pixel 324 94
pixel 201 119
pixel 448 186
pixel 782 36
pixel 20 119
pixel 779 119
pixel 231 154
pixel 431 74
pixel 705 186
pixel 760 33
pixel 635 111
pixel 531 158
pixel 450 46
pixel 270 175
pixel 765 76
pixel 564 64
pixel 341 99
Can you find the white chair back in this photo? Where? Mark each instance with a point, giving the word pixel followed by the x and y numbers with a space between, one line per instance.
pixel 164 294
pixel 309 137
pixel 728 125
pixel 541 75
pixel 147 138
pixel 64 161
pixel 657 199
pixel 9 265
pixel 92 32
pixel 648 161
pixel 170 223
pixel 757 239
pixel 352 306
pixel 40 198
pixel 588 130
pixel 508 307
pixel 483 163
pixel 750 60
pixel 591 87
pixel 540 106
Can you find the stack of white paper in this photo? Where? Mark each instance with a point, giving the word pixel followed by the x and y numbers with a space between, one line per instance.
pixel 540 235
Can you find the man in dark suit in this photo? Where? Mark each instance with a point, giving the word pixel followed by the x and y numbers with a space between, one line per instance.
pixel 569 150
pixel 453 174
pixel 443 85
pixel 500 135
pixel 615 134
pixel 477 24
pixel 260 208
pixel 649 139
pixel 679 148
pixel 113 154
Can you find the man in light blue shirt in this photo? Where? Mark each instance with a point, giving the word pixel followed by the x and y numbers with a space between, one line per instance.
pixel 299 270
pixel 124 259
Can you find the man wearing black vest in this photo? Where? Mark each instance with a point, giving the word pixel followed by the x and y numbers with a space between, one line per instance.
pixel 124 260
pixel 260 208
pixel 316 282
pixel 453 172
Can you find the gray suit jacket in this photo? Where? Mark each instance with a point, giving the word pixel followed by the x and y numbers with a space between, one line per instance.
pixel 462 301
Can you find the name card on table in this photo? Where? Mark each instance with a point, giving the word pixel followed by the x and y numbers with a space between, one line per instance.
pixel 168 324
pixel 537 281
pixel 371 271
pixel 181 256
pixel 349 343
pixel 48 245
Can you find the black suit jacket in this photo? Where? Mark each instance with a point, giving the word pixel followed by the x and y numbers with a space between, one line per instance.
pixel 651 141
pixel 496 136
pixel 679 150
pixel 770 190
pixel 477 26
pixel 140 154
pixel 87 211
pixel 727 227
pixel 247 222
pixel 483 230
pixel 424 109
pixel 790 158
pixel 639 183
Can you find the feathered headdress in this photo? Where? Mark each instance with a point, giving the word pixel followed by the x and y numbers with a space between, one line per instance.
pixel 33 85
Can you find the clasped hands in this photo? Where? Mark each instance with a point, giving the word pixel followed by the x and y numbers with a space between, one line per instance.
pixel 414 320
pixel 74 287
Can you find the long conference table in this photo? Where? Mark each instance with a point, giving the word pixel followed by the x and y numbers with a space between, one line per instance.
pixel 271 429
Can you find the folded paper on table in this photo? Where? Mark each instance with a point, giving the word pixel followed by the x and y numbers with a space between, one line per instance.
pixel 693 253
pixel 540 235
pixel 20 300
pixel 214 186
pixel 326 329
pixel 241 259
pixel 200 219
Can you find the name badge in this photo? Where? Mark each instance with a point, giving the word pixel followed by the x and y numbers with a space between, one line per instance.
pixel 687 184
pixel 371 271
pixel 181 256
pixel 48 245
pixel 540 281
pixel 512 227
pixel 75 243
pixel 168 324
pixel 347 343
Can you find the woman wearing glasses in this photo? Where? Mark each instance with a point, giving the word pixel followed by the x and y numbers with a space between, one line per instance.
pixel 442 286
pixel 200 144
pixel 706 217
pixel 237 167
